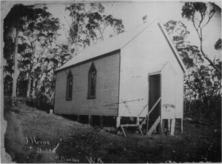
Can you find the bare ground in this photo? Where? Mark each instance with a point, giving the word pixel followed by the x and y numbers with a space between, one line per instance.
pixel 61 140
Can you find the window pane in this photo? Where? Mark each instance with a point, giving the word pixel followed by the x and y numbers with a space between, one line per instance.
pixel 92 82
pixel 92 87
pixel 69 96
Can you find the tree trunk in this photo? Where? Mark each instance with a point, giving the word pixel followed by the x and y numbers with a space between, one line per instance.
pixel 16 71
pixel 210 61
pixel 29 86
pixel 34 88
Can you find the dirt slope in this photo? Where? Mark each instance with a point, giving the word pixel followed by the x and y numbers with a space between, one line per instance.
pixel 36 136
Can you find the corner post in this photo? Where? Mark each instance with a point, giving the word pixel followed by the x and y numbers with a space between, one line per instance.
pixel 118 121
pixel 172 127
pixel 181 125
pixel 90 121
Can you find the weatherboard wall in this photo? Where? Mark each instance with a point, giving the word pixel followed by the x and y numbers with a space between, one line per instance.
pixel 107 86
pixel 149 50
pixel 168 92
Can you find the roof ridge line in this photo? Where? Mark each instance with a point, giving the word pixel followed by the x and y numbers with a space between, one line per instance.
pixel 140 32
pixel 133 28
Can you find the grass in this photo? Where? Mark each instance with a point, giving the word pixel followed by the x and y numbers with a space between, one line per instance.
pixel 82 143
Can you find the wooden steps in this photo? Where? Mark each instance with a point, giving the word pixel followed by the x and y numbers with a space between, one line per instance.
pixel 139 126
pixel 130 125
pixel 144 121
pixel 153 126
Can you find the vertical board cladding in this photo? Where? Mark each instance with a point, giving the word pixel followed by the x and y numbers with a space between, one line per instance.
pixel 179 95
pixel 168 89
pixel 107 88
pixel 138 58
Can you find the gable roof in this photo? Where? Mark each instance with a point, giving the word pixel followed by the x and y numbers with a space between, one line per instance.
pixel 159 67
pixel 116 43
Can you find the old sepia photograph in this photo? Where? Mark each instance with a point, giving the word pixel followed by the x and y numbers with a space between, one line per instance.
pixel 111 81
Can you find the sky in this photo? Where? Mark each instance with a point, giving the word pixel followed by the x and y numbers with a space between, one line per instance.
pixel 132 12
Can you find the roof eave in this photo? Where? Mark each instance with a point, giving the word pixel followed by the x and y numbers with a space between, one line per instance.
pixel 94 58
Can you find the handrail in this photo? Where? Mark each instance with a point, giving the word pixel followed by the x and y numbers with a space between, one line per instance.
pixel 142 110
pixel 154 106
pixel 138 124
pixel 151 110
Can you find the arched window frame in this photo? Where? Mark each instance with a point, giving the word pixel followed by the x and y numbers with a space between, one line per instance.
pixel 69 86
pixel 92 76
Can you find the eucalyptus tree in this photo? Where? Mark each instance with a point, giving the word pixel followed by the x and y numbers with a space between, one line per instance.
pixel 33 26
pixel 189 53
pixel 205 81
pixel 88 25
pixel 14 22
pixel 37 39
pixel 8 65
pixel 200 14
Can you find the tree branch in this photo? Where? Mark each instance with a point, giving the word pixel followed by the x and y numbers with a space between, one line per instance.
pixel 199 32
pixel 208 20
pixel 105 26
pixel 211 63
pixel 100 33
pixel 202 18
pixel 63 48
pixel 196 28
pixel 69 27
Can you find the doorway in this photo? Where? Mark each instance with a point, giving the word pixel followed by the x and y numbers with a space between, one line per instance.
pixel 154 95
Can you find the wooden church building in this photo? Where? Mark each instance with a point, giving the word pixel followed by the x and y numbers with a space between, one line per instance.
pixel 137 74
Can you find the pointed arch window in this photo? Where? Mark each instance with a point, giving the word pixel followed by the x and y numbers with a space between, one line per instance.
pixel 69 86
pixel 92 82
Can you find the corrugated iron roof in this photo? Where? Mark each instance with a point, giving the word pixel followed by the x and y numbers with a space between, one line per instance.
pixel 115 43
pixel 106 46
